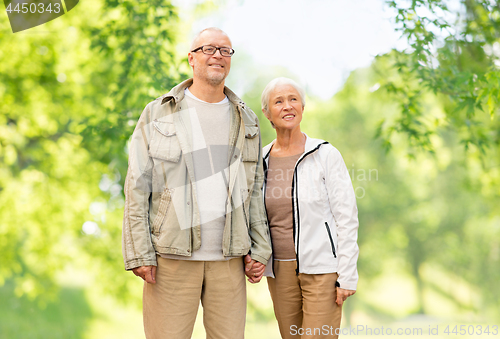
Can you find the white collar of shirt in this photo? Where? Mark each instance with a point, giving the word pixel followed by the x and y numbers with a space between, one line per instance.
pixel 191 95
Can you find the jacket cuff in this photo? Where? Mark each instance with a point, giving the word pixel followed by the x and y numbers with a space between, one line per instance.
pixel 131 264
pixel 346 286
pixel 259 258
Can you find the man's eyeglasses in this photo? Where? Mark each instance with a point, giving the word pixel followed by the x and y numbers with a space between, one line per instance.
pixel 211 50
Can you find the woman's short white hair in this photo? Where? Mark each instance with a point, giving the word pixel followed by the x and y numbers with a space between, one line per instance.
pixel 271 86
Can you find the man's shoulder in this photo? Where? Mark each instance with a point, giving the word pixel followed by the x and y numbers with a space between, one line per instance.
pixel 232 97
pixel 247 114
pixel 176 93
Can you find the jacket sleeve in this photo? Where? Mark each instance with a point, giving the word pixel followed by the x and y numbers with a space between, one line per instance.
pixel 343 206
pixel 137 247
pixel 259 230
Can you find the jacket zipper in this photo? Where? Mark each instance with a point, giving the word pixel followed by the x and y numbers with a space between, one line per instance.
pixel 295 194
pixel 295 202
pixel 330 237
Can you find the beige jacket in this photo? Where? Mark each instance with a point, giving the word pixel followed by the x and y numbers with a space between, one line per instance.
pixel 161 210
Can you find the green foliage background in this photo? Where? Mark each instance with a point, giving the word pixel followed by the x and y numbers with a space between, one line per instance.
pixel 418 129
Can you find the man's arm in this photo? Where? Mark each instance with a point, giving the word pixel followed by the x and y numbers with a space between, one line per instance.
pixel 259 230
pixel 137 246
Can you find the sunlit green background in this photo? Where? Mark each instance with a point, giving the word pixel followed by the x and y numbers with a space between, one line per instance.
pixel 418 130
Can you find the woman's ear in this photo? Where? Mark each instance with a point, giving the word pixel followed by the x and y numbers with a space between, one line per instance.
pixel 266 114
pixel 268 117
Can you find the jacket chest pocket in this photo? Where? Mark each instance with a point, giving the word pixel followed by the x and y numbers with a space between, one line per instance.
pixel 251 147
pixel 164 143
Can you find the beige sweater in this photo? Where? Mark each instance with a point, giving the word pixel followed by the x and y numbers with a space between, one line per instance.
pixel 279 205
pixel 210 158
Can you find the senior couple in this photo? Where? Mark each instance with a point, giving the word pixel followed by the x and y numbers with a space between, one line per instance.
pixel 205 205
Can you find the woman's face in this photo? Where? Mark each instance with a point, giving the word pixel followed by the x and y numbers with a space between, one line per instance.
pixel 285 107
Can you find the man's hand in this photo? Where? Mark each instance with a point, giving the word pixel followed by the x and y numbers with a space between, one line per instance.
pixel 253 269
pixel 147 273
pixel 342 295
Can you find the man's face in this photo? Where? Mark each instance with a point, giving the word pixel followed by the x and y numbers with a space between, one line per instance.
pixel 212 69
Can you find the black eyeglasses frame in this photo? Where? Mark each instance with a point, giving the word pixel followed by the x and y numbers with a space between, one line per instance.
pixel 216 49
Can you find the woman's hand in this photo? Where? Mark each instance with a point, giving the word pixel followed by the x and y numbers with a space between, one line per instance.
pixel 342 295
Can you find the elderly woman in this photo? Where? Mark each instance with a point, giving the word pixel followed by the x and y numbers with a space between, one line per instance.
pixel 312 213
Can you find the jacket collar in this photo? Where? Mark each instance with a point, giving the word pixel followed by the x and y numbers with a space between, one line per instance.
pixel 310 145
pixel 177 94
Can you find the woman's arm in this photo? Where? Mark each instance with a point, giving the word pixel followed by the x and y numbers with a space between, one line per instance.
pixel 344 209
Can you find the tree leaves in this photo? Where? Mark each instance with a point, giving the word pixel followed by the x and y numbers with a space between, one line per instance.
pixel 447 57
pixel 66 102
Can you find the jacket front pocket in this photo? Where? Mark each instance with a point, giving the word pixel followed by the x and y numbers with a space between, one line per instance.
pixel 331 239
pixel 164 143
pixel 251 147
pixel 165 199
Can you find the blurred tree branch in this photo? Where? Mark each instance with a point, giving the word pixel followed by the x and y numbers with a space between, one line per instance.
pixel 455 55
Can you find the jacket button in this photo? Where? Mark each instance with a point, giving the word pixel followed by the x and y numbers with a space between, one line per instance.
pixel 249 135
pixel 235 156
pixel 188 250
pixel 188 202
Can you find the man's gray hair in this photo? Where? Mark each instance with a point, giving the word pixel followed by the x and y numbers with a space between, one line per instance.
pixel 194 43
pixel 271 86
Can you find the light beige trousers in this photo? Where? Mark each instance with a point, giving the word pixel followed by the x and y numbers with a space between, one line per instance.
pixel 304 305
pixel 170 306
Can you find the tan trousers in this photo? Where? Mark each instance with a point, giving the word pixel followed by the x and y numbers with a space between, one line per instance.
pixel 304 305
pixel 170 306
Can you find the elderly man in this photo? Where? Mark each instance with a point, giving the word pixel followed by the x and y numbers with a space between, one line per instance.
pixel 194 203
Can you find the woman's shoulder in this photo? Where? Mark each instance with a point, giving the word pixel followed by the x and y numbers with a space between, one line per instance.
pixel 324 147
pixel 267 148
pixel 328 155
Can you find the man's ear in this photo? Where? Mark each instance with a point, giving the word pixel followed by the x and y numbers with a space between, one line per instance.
pixel 191 59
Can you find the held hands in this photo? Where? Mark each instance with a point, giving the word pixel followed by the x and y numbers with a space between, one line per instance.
pixel 342 295
pixel 253 269
pixel 147 273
